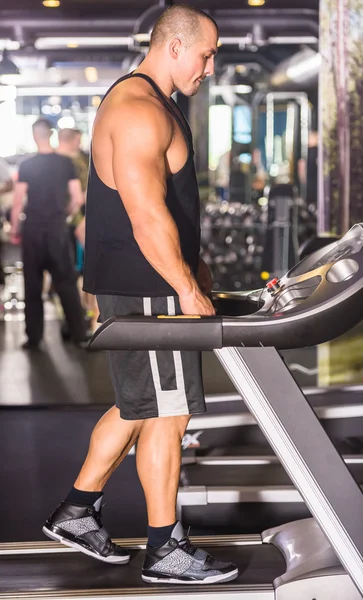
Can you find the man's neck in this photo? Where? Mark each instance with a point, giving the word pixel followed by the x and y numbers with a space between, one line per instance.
pixel 45 148
pixel 66 151
pixel 150 67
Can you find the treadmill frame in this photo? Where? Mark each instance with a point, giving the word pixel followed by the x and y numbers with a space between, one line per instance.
pixel 304 449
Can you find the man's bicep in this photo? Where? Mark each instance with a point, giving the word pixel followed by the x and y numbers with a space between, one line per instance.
pixel 23 173
pixel 139 169
pixel 74 186
pixel 71 170
pixel 76 195
pixel 21 190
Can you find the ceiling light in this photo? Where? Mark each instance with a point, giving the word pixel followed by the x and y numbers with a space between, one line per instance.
pixel 242 89
pixel 7 92
pixel 72 45
pixel 66 122
pixel 235 41
pixel 302 39
pixel 91 74
pixel 96 101
pixel 65 90
pixel 256 2
pixel 10 79
pixel 50 43
pixel 217 90
pixel 51 3
pixel 307 66
pixel 142 38
pixel 9 45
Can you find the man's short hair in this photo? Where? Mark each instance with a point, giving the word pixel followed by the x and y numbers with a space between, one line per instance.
pixel 67 134
pixel 42 128
pixel 179 21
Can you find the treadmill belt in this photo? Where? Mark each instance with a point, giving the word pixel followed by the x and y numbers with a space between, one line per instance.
pixel 259 564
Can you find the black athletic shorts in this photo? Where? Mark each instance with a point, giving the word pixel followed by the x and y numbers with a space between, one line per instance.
pixel 150 384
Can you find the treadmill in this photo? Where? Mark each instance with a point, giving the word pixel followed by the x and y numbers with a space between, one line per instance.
pixel 311 559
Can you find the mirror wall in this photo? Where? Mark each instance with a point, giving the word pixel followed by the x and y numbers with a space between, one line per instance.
pixel 262 134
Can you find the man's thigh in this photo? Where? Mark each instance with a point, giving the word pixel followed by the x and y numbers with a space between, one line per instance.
pixel 151 384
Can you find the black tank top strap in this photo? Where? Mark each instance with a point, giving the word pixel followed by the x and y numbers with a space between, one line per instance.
pixel 187 126
pixel 176 114
pixel 123 78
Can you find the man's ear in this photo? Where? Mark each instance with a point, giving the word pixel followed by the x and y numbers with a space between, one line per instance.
pixel 175 48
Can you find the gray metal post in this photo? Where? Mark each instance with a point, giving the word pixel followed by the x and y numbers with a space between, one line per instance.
pixel 304 449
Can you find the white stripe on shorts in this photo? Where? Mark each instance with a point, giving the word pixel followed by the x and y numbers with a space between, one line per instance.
pixel 171 402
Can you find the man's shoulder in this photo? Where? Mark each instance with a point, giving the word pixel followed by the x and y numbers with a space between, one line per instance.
pixel 139 106
pixel 61 161
pixel 45 161
pixel 26 159
pixel 144 120
pixel 63 158
pixel 26 164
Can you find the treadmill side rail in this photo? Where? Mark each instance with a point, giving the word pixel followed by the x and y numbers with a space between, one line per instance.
pixel 304 449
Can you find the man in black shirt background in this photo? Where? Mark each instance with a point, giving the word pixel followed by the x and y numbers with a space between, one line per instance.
pixel 49 183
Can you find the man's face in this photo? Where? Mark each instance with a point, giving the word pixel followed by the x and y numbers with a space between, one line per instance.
pixel 196 62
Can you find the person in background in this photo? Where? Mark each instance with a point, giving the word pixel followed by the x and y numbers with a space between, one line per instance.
pixel 50 184
pixel 6 186
pixel 70 145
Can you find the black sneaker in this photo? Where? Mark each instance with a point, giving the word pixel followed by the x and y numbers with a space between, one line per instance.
pixel 180 562
pixel 81 527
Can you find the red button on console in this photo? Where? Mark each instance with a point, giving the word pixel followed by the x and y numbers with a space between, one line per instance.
pixel 273 283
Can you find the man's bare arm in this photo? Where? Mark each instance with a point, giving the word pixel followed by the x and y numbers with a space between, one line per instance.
pixel 140 141
pixel 76 196
pixel 20 193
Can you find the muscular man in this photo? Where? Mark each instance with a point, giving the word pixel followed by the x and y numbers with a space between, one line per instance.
pixel 142 256
pixel 49 183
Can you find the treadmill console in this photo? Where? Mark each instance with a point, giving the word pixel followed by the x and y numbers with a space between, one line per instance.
pixel 323 271
pixel 317 300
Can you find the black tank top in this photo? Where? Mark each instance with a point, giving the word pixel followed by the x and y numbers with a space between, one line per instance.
pixel 114 264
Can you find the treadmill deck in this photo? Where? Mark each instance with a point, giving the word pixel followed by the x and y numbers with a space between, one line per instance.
pixel 49 570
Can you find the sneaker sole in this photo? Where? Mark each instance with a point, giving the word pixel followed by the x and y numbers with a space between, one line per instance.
pixel 215 579
pixel 114 560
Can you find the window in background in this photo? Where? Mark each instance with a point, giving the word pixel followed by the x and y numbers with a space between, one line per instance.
pixel 7 128
pixel 242 124
pixel 220 144
pixel 220 133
